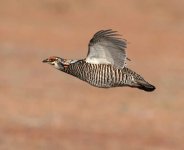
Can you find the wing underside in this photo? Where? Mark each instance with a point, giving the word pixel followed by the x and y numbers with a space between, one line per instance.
pixel 106 47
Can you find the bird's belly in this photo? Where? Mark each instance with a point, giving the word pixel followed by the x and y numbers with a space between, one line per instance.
pixel 102 76
pixel 100 81
pixel 100 85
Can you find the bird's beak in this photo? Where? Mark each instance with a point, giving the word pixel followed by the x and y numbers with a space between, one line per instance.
pixel 45 60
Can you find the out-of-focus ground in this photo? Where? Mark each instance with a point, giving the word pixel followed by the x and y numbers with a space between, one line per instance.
pixel 42 108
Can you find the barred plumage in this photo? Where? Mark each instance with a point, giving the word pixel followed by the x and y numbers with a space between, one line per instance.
pixel 102 75
pixel 105 64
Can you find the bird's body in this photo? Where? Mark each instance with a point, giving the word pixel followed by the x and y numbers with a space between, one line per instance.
pixel 104 66
pixel 102 75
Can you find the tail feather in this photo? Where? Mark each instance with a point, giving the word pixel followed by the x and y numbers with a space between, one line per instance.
pixel 143 85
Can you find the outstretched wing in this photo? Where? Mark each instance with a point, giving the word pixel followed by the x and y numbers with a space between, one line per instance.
pixel 107 48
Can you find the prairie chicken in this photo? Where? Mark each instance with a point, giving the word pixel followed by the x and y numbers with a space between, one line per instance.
pixel 105 64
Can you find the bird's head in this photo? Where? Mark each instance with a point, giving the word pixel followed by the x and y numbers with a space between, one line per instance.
pixel 57 62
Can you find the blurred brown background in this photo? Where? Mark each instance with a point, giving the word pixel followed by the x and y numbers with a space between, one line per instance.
pixel 43 109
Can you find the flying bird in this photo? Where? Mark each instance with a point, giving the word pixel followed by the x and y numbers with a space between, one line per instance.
pixel 105 64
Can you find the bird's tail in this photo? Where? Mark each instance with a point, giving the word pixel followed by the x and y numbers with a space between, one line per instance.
pixel 143 85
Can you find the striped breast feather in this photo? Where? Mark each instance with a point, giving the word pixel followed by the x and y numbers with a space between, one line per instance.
pixel 107 48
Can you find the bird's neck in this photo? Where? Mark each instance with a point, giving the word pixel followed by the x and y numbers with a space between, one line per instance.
pixel 73 68
pixel 63 66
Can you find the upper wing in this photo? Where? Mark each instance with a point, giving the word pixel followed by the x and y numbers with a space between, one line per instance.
pixel 106 48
